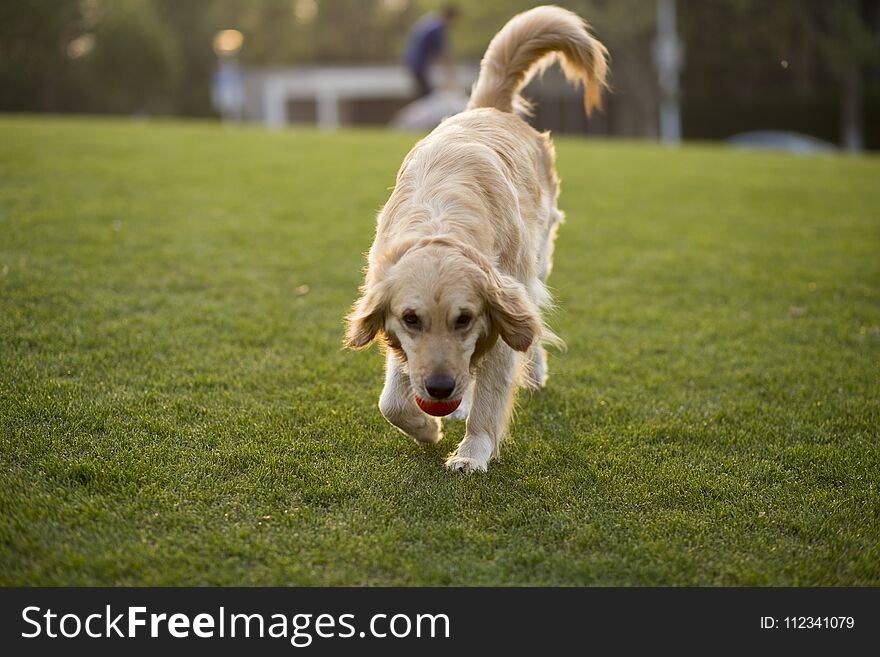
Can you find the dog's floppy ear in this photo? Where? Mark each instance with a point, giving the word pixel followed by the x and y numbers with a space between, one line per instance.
pixel 513 314
pixel 367 316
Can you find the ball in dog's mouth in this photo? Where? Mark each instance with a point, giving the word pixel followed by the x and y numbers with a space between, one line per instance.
pixel 437 408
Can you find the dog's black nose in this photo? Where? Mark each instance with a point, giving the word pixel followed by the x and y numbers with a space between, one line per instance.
pixel 440 386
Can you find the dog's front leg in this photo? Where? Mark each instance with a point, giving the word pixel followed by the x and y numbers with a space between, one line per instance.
pixel 397 403
pixel 490 411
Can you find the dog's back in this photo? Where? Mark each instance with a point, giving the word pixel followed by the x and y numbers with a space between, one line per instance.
pixel 486 172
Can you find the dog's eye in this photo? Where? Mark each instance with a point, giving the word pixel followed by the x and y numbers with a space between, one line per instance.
pixel 412 320
pixel 463 321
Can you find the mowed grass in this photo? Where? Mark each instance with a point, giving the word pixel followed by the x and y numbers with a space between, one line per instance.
pixel 175 407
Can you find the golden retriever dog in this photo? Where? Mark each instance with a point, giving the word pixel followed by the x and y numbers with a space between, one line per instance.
pixel 455 279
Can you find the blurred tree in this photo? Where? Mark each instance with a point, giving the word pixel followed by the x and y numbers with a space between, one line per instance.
pixel 353 31
pixel 848 35
pixel 787 64
pixel 34 65
pixel 806 65
pixel 192 24
pixel 135 58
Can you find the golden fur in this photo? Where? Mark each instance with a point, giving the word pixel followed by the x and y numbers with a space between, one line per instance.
pixel 456 275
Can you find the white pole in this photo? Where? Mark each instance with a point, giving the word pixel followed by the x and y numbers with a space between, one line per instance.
pixel 328 109
pixel 668 54
pixel 274 103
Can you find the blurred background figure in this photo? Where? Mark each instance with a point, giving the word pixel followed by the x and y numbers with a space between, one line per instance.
pixel 428 42
pixel 227 90
pixel 428 45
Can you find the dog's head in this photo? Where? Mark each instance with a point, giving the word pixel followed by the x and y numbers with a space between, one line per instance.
pixel 440 305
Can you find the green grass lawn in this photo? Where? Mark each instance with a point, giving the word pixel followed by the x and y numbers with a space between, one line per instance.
pixel 175 407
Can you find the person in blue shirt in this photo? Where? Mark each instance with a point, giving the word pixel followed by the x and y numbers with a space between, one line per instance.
pixel 427 42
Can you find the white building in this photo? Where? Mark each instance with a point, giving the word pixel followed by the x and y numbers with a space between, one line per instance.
pixel 332 95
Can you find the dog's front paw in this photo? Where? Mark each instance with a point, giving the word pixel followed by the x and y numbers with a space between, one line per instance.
pixel 466 464
pixel 472 455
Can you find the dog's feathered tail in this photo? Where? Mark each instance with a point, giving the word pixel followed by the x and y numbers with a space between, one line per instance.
pixel 530 42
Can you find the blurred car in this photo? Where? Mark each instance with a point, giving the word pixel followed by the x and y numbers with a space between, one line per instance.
pixel 773 140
